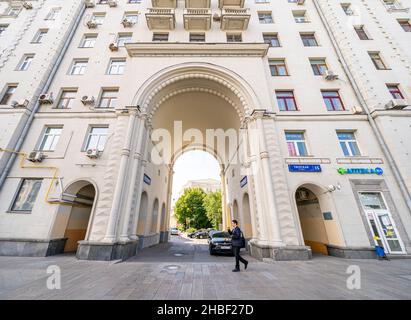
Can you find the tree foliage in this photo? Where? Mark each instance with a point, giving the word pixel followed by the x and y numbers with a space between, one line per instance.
pixel 190 211
pixel 212 204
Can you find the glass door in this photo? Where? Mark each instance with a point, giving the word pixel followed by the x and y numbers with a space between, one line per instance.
pixel 384 231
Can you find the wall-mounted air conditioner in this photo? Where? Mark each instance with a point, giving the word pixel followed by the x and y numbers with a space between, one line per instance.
pixel 87 100
pixel 27 5
pixel 127 23
pixel 396 104
pixel 113 47
pixel 20 103
pixel 112 3
pixel 330 75
pixel 92 24
pixel 92 153
pixel 90 4
pixel 35 156
pixel 46 98
pixel 356 110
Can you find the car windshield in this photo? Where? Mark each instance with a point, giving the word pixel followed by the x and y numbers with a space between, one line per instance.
pixel 221 235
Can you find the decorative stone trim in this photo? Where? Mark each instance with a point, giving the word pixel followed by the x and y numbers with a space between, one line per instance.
pixel 32 247
pixel 351 252
pixel 149 49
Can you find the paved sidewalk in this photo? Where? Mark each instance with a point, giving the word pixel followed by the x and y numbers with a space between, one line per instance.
pixel 183 269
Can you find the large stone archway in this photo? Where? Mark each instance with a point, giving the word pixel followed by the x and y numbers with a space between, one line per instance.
pixel 199 97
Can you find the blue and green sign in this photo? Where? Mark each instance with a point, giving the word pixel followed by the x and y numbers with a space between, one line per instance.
pixel 377 171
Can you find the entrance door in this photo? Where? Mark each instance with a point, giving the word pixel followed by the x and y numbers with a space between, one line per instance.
pixel 382 225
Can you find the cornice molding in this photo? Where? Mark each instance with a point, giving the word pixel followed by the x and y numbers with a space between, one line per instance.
pixel 141 49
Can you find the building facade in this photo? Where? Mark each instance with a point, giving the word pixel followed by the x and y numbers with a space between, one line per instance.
pixel 312 95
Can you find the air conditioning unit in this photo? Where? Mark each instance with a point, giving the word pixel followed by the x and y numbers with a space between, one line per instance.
pixel 113 47
pixel 302 195
pixel 35 156
pixel 27 5
pixel 330 75
pixel 20 103
pixel 92 24
pixel 216 17
pixel 300 2
pixel 46 98
pixel 112 3
pixel 90 4
pixel 396 104
pixel 356 110
pixel 127 23
pixel 92 153
pixel 86 100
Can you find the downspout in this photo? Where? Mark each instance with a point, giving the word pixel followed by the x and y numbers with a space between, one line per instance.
pixel 24 132
pixel 397 174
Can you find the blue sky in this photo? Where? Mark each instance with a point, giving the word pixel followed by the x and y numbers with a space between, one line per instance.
pixel 191 166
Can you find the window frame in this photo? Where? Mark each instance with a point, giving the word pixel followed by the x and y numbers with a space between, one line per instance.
pixel 282 65
pixel 110 99
pixel 23 61
pixel 397 90
pixel 285 99
pixel 44 135
pixel 315 68
pixel 377 57
pixel 75 61
pixel 332 98
pixel 84 39
pixel 272 36
pixel 295 143
pixel 111 66
pixel 346 143
pixel 265 20
pixel 88 137
pixel 16 194
pixel 5 91
pixel 61 94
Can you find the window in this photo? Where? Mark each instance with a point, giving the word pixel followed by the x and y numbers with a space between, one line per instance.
pixel 53 14
pixel 309 39
pixel 347 9
pixel 8 92
pixel 39 35
pixel 160 36
pixel 271 39
pixel 26 62
pixel 296 144
pixel 98 18
pixel 265 17
pixel 395 91
pixel 278 67
pixel 134 1
pixel 96 138
pixel 319 66
pixel 348 144
pixel 116 66
pixel 262 1
pixel 332 100
pixel 88 41
pixel 108 98
pixel 132 17
pixel 286 101
pixel 234 37
pixel 50 138
pixel 66 97
pixel 102 1
pixel 377 60
pixel 300 16
pixel 26 195
pixel 361 33
pixel 13 11
pixel 392 4
pixel 3 28
pixel 79 67
pixel 123 38
pixel 405 25
pixel 197 37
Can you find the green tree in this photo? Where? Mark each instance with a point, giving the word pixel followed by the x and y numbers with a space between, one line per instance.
pixel 190 211
pixel 213 207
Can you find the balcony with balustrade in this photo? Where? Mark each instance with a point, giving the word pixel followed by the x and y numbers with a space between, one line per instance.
pixel 161 19
pixel 234 19
pixel 197 19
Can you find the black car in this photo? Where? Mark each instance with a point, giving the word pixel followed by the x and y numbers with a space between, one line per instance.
pixel 201 235
pixel 220 242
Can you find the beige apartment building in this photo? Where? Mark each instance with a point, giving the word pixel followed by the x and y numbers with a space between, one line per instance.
pixel 316 92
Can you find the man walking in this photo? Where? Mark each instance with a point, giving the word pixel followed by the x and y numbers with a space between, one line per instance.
pixel 238 242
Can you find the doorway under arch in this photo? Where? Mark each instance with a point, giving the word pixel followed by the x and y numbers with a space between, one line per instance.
pixel 246 217
pixel 74 216
pixel 318 220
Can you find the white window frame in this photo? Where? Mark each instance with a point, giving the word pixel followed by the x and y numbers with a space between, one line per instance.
pixel 347 146
pixel 16 195
pixel 115 68
pixel 25 62
pixel 90 134
pixel 46 136
pixel 295 143
pixel 82 68
pixel 86 39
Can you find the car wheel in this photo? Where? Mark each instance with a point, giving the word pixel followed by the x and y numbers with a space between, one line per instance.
pixel 212 252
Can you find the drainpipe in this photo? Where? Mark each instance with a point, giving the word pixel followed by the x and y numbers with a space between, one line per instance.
pixel 391 162
pixel 25 130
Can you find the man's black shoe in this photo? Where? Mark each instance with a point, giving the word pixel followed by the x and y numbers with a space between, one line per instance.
pixel 236 270
pixel 246 265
